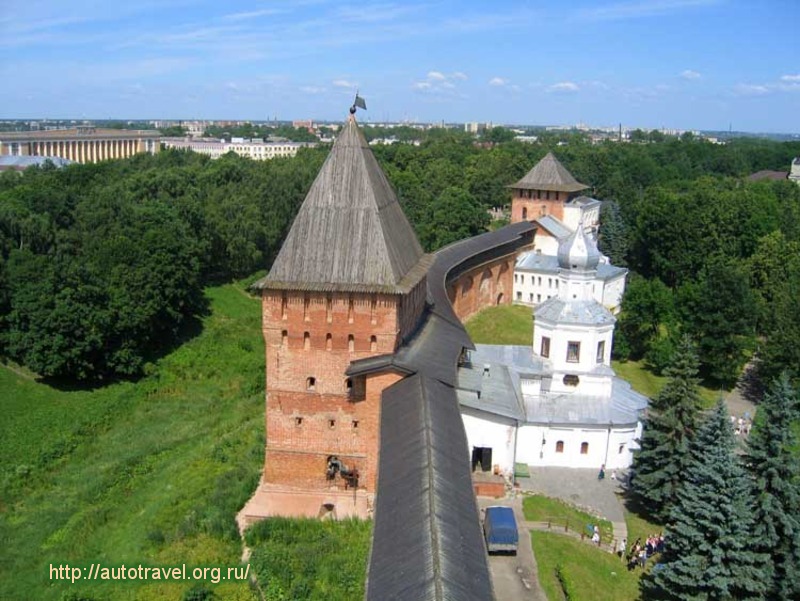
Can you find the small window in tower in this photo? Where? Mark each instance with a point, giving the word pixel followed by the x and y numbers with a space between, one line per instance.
pixel 306 305
pixel 284 338
pixel 524 212
pixel 328 342
pixel 298 421
pixel 331 423
pixel 348 384
pixel 621 449
pixel 545 351
pixel 306 341
pixel 373 343
pixel 573 352
pixel 355 424
pixel 601 351
pixel 584 448
pixel 311 384
pixel 351 343
pixel 515 278
pixel 560 446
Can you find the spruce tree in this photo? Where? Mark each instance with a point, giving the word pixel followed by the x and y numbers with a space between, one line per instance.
pixel 775 467
pixel 709 553
pixel 662 460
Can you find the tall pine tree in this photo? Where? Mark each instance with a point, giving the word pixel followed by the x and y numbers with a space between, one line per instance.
pixel 709 554
pixel 660 464
pixel 772 459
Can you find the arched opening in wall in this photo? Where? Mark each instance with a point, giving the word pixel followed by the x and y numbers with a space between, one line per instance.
pixel 348 385
pixel 327 511
pixel 328 342
pixel 311 384
pixel 500 299
pixel 351 343
pixel 373 343
pixel 284 338
pixel 466 286
pixel 584 448
pixel 486 281
pixel 306 341
pixel 560 446
pixel 503 269
pixel 543 210
pixel 524 213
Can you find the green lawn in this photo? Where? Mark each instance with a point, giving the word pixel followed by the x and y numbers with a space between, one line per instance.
pixel 506 324
pixel 310 559
pixel 589 573
pixel 640 527
pixel 538 508
pixel 149 472
pixel 645 381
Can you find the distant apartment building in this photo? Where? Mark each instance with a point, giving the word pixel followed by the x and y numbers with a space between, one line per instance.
pixel 253 149
pixel 476 128
pixel 82 144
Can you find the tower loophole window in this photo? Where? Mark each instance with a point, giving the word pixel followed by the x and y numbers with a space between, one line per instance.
pixel 311 384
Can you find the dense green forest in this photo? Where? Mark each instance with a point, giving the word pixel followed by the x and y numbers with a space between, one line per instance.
pixel 101 266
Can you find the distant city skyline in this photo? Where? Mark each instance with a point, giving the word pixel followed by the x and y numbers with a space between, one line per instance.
pixel 678 64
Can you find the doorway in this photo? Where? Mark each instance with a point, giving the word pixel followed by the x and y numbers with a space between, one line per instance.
pixel 482 459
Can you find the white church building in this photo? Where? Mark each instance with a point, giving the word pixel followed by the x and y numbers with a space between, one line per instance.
pixel 557 402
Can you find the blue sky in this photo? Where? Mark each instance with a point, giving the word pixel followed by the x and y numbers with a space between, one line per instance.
pixel 689 64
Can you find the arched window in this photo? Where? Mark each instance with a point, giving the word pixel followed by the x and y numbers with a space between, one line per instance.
pixel 306 341
pixel 328 342
pixel 584 448
pixel 524 212
pixel 560 446
pixel 351 343
pixel 373 343
pixel 311 384
pixel 284 338
pixel 348 384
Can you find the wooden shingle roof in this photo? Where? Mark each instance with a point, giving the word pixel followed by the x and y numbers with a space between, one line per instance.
pixel 549 174
pixel 350 233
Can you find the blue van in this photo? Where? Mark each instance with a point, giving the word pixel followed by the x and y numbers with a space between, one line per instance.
pixel 500 530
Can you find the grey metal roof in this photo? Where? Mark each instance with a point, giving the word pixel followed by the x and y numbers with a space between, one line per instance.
pixel 578 251
pixel 623 408
pixel 554 226
pixel 550 174
pixel 537 262
pixel 577 312
pixel 494 390
pixel 584 201
pixel 350 233
pixel 427 543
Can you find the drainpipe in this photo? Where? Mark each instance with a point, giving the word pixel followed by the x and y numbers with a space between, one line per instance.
pixel 608 443
pixel 514 459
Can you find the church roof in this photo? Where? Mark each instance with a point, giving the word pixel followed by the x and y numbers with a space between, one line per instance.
pixel 550 174
pixel 350 233
pixel 554 226
pixel 575 312
pixel 578 251
pixel 538 263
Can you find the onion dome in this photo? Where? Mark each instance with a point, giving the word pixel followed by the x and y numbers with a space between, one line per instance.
pixel 578 251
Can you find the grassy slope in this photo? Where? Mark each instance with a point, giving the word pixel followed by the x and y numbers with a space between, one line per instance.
pixel 146 472
pixel 592 574
pixel 538 508
pixel 502 325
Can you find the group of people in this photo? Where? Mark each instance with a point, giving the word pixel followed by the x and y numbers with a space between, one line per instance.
pixel 638 553
pixel 741 425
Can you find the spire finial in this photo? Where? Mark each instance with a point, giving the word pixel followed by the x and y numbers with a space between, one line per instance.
pixel 358 103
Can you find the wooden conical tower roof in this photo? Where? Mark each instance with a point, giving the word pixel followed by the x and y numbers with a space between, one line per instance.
pixel 350 233
pixel 549 174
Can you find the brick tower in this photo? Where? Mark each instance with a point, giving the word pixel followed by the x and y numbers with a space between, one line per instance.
pixel 348 283
pixel 543 191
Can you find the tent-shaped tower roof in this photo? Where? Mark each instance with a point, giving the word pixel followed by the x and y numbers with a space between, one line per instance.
pixel 550 174
pixel 350 233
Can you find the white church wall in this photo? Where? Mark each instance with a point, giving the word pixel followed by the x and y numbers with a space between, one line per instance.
pixel 492 431
pixel 602 446
pixel 612 293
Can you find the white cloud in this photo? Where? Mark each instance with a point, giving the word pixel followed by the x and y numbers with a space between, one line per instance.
pixel 564 87
pixel 436 82
pixel 497 81
pixel 639 8
pixel 343 83
pixel 312 90
pixel 790 78
pixel 745 89
pixel 689 74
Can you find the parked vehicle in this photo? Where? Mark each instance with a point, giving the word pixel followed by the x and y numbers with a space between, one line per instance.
pixel 500 530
